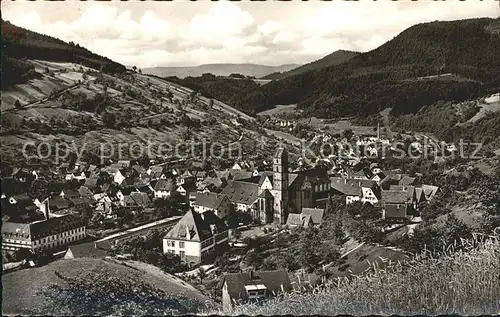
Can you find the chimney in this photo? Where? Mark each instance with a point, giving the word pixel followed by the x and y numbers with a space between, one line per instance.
pixel 188 233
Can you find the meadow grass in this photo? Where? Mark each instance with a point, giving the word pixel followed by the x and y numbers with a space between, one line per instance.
pixel 466 282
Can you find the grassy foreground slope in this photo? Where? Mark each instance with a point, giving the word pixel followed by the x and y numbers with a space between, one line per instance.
pixel 97 287
pixel 465 283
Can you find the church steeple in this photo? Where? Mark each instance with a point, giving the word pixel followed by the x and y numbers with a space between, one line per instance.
pixel 280 185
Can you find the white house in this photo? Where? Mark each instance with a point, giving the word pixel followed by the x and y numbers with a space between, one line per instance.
pixel 47 234
pixel 104 203
pixel 118 177
pixel 77 176
pixel 181 190
pixel 197 237
pixel 366 191
pixel 163 188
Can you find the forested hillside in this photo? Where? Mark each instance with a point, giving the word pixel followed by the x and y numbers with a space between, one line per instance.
pixel 393 74
pixel 225 89
pixel 222 69
pixel 19 44
pixel 335 58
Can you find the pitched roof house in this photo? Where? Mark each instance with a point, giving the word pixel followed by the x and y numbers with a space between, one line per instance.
pixel 156 172
pixel 137 199
pixel 196 237
pixel 85 250
pixel 220 204
pixel 163 188
pixel 316 215
pixel 298 220
pixel 397 204
pixel 242 194
pixel 253 287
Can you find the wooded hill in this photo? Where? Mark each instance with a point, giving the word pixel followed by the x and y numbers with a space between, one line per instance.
pixel 393 75
pixel 335 58
pixel 19 44
pixel 225 89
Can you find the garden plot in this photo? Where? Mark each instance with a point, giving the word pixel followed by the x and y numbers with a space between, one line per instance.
pixel 71 77
pixel 48 84
pixel 24 93
pixel 33 91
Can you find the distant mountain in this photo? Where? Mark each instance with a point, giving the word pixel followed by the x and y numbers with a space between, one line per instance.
pixel 254 70
pixel 19 44
pixel 335 58
pixel 401 74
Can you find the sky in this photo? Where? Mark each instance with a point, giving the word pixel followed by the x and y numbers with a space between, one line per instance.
pixel 190 33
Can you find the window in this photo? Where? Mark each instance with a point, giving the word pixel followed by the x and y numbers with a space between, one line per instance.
pixel 181 244
pixel 182 253
pixel 170 243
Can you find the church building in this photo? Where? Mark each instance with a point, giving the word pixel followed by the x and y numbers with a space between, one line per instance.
pixel 272 196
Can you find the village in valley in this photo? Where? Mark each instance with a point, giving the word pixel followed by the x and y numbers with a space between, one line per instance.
pixel 218 222
pixel 363 182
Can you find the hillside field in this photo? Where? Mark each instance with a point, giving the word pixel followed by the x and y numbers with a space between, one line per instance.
pixel 24 298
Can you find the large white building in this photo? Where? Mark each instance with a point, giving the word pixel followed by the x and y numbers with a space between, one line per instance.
pixel 44 235
pixel 197 237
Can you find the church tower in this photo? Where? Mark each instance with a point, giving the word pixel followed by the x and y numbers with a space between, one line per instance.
pixel 280 185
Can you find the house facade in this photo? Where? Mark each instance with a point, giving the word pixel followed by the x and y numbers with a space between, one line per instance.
pixel 362 190
pixel 197 238
pixel 44 235
pixel 163 188
pixel 219 204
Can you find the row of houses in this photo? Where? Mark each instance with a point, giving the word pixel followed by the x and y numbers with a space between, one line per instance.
pixel 396 193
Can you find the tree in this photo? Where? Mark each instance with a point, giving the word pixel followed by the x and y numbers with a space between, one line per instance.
pixel 201 274
pixel 192 95
pixel 17 105
pixel 134 68
pixel 109 120
pixel 348 134
pixel 232 219
pixel 308 256
pixel 211 103
pixel 338 233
